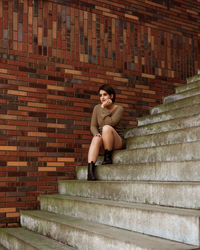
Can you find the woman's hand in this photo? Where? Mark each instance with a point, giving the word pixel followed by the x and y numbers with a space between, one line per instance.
pixel 106 103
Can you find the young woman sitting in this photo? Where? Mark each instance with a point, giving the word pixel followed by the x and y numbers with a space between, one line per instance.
pixel 106 129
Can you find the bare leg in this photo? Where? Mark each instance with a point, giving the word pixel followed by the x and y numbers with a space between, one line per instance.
pixel 95 145
pixel 111 139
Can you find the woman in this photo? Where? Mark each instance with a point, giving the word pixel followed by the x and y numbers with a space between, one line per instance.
pixel 106 129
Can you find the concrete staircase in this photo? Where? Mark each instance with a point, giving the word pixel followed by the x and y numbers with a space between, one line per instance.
pixel 148 199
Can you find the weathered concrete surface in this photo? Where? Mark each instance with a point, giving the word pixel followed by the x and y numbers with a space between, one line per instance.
pixel 169 223
pixel 164 126
pixel 190 85
pixel 3 248
pixel 194 78
pixel 170 115
pixel 174 194
pixel 175 152
pixel 164 138
pixel 176 105
pixel 83 234
pixel 154 171
pixel 182 95
pixel 22 239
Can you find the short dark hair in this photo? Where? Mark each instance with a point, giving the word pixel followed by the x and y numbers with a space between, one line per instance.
pixel 109 89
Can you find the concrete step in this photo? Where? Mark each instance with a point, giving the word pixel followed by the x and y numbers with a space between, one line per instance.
pixel 182 95
pixel 194 78
pixel 164 138
pixel 175 194
pixel 169 125
pixel 175 152
pixel 170 115
pixel 2 247
pixel 158 221
pixel 154 171
pixel 190 85
pixel 83 234
pixel 176 105
pixel 20 238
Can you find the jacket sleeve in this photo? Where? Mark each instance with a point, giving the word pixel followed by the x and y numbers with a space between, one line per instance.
pixel 94 124
pixel 110 118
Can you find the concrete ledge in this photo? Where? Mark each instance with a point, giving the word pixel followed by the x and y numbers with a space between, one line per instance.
pixel 194 78
pixel 20 238
pixel 190 85
pixel 187 151
pixel 3 248
pixel 165 138
pixel 182 95
pixel 154 171
pixel 83 234
pixel 170 115
pixel 174 194
pixel 176 105
pixel 175 224
pixel 164 126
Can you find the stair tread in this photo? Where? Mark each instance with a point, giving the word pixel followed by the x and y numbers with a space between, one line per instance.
pixel 152 182
pixel 188 131
pixel 173 194
pixel 159 126
pixel 182 95
pixel 182 103
pixel 2 247
pixel 159 146
pixel 169 114
pixel 145 241
pixel 194 78
pixel 154 171
pixel 130 205
pixel 189 85
pixel 35 240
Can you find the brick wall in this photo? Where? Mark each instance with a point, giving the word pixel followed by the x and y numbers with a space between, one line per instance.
pixel 54 55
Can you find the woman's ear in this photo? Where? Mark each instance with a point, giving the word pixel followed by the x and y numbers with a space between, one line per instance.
pixel 111 96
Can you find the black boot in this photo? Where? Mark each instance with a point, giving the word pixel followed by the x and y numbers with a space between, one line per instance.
pixel 107 157
pixel 91 169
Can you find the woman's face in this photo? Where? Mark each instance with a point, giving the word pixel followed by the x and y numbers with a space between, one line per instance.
pixel 104 96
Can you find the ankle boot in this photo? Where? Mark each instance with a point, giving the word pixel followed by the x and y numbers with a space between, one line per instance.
pixel 107 157
pixel 91 169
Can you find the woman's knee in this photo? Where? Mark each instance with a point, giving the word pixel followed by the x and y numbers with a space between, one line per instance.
pixel 107 129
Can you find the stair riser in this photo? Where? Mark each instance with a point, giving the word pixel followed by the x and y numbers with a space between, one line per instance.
pixel 173 137
pixel 174 114
pixel 80 239
pixel 188 86
pixel 182 95
pixel 164 225
pixel 10 242
pixel 177 152
pixel 176 105
pixel 194 78
pixel 165 126
pixel 165 194
pixel 22 239
pixel 158 171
